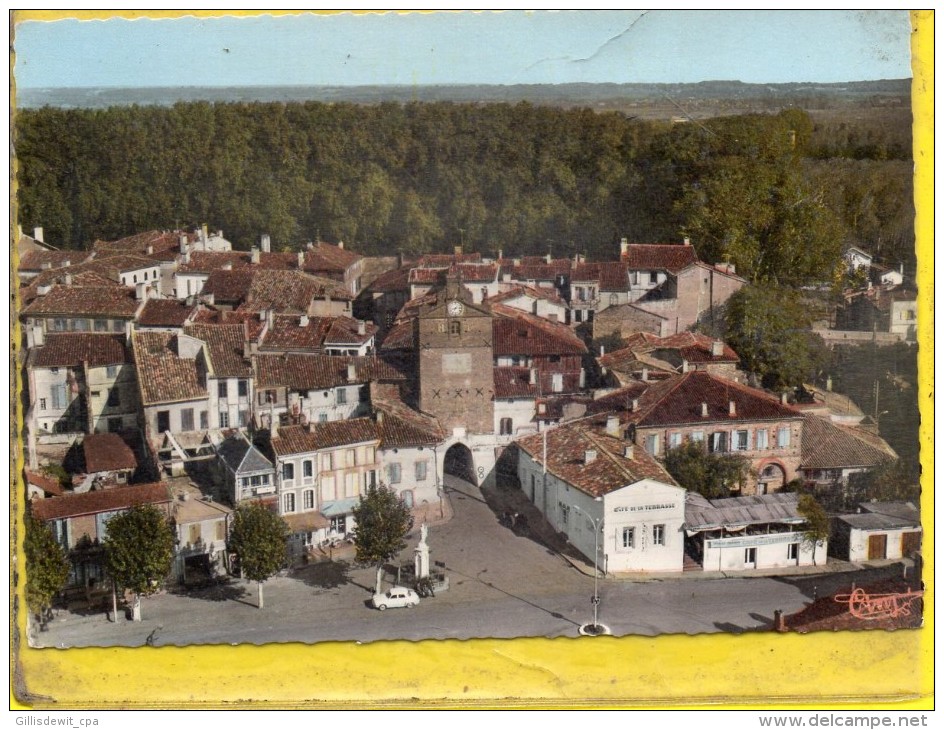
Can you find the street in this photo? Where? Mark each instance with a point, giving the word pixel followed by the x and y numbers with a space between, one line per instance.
pixel 502 585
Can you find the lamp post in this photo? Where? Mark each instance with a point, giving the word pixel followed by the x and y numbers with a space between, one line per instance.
pixel 597 526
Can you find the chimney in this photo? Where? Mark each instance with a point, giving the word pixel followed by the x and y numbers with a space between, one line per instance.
pixel 266 243
pixel 624 247
pixel 732 409
pixel 687 241
pixel 613 426
pixel 182 241
pixel 39 337
pixel 379 417
pixel 361 327
pixel 501 254
pixel 149 249
pixel 583 378
pixel 602 350
pixel 68 279
pixel 301 259
pixel 270 318
pixel 219 233
pixel 533 376
pixel 228 266
pixel 187 256
pixel 140 291
pixel 635 405
pixel 351 372
pixel 303 321
pixel 457 250
pixel 589 456
pixel 645 375
pixel 341 245
pixel 628 452
pixel 783 397
pixel 254 255
pixel 717 348
pixel 204 233
pixel 704 410
pixel 45 265
pixel 548 257
pixel 684 366
pixel 38 234
pixel 67 263
pixel 43 289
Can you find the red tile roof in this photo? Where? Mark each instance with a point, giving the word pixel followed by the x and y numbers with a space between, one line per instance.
pixel 70 349
pixel 519 333
pixel 89 301
pixel 34 260
pixel 329 257
pixel 536 292
pixel 427 276
pixel 391 281
pixel 49 485
pixel 286 291
pixel 514 382
pixel 225 343
pixel 317 436
pixel 162 375
pixel 668 257
pixel 313 372
pixel 344 331
pixel 398 424
pixel 287 333
pixel 228 287
pixel 106 500
pixel 138 243
pixel 402 336
pixel 165 313
pixel 107 452
pixel 827 445
pixel 567 445
pixel 447 259
pixel 474 272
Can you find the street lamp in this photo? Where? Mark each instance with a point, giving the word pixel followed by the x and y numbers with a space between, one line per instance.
pixel 597 526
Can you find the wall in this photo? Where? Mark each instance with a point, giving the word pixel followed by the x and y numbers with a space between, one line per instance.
pixel 174 410
pixel 232 405
pixel 727 554
pixel 859 543
pixel 641 507
pixel 424 490
pixel 125 382
pixel 520 411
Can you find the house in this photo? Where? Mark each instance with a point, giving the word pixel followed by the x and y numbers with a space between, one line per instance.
pixel 80 521
pixel 315 388
pixel 878 531
pixel 38 260
pixel 68 308
pixel 831 453
pixel 322 470
pixel 386 295
pixel 649 265
pixel 42 486
pixel 647 356
pixel 603 492
pixel 246 472
pixel 202 527
pixel 626 319
pixel 108 460
pixel 229 381
pixel 887 277
pixel 856 258
pixel 165 314
pixel 758 532
pixel 540 301
pixel 727 417
pixel 81 382
pixel 880 310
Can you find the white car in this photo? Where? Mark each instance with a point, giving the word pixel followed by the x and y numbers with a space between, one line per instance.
pixel 396 597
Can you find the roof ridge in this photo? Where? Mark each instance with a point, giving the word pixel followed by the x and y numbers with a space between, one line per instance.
pixel 612 457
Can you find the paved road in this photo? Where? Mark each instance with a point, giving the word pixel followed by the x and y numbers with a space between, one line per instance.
pixel 501 585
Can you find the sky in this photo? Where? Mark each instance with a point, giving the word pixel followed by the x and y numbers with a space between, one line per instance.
pixel 507 47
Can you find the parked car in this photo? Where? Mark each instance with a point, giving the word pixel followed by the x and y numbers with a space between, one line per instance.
pixel 396 597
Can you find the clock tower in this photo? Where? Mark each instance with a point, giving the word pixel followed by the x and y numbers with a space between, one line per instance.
pixel 454 337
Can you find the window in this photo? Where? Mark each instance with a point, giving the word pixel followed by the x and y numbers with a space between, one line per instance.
pixel 81 325
pixel 96 394
pixel 288 502
pixel 341 396
pixel 653 277
pixel 350 457
pixel 750 556
pixel 455 327
pixel 557 382
pixel 204 420
pixel 629 538
pixel 163 421
pixel 698 436
pixel 243 388
pixel 578 315
pixel 614 300
pixel 564 512
pixel 220 530
pixel 243 417
pixel 407 497
pixel 322 418
pixel 288 471
pixel 101 325
pixel 652 444
pixel 186 419
pixel 58 325
pixel 793 551
pixel 117 325
pixel 393 471
pixel 224 419
pixel 195 535
pixel 221 389
pixel 111 371
pixel 59 396
pixel 761 438
pixel 114 398
pixel 675 440
pixel 42 404
pixel 741 440
pixel 783 437
pixel 307 468
pixel 269 396
pixel 420 471
pixel 658 534
pixel 308 498
pixel 504 427
pixel 718 442
pixel 339 524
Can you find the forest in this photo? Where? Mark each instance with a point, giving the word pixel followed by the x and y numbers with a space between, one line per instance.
pixel 775 194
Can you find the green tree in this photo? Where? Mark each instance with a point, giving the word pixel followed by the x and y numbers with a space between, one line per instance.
pixel 817 522
pixel 258 540
pixel 769 327
pixel 710 475
pixel 139 552
pixel 382 520
pixel 891 482
pixel 47 567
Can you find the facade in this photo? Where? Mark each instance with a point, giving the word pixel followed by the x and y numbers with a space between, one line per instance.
pixel 879 531
pixel 202 527
pixel 749 533
pixel 604 493
pixel 68 308
pixel 831 453
pixel 246 472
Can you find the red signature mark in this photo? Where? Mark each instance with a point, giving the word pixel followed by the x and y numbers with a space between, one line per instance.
pixel 880 605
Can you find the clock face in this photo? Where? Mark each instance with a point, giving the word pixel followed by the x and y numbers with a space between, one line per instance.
pixel 455 309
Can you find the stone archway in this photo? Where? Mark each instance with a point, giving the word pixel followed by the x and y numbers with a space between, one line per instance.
pixel 458 462
pixel 771 478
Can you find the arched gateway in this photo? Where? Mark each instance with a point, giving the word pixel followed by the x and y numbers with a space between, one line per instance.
pixel 459 463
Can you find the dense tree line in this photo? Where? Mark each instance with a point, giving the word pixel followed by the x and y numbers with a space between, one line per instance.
pixel 422 177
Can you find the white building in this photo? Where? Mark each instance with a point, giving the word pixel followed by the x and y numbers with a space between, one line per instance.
pixel 879 531
pixel 603 492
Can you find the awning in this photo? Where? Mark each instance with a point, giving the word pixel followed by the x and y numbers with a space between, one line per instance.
pixel 340 507
pixel 306 522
